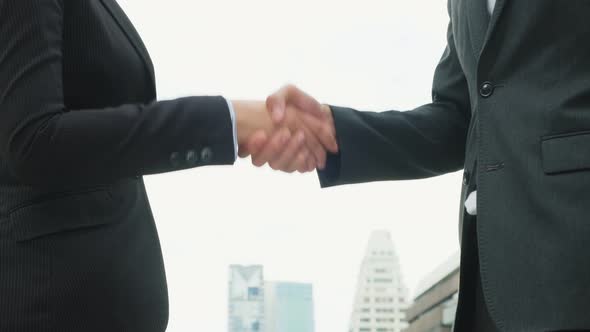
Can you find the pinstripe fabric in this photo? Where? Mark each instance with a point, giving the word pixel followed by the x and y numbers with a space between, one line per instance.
pixel 79 126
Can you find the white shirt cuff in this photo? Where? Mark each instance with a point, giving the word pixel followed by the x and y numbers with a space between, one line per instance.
pixel 471 203
pixel 232 115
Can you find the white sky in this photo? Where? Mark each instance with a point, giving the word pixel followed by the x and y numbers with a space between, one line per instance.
pixel 368 54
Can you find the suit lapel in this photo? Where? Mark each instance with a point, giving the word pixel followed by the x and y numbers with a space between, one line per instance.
pixel 127 27
pixel 481 25
pixel 479 21
pixel 498 9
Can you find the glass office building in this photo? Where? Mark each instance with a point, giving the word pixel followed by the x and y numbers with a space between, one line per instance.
pixel 246 299
pixel 289 307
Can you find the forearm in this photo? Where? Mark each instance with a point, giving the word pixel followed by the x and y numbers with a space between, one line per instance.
pixel 129 140
pixel 424 142
pixel 44 140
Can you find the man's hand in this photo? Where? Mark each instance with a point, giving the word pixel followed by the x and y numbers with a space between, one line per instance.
pixel 292 108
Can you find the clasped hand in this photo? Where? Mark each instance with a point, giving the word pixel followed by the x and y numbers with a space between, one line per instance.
pixel 291 132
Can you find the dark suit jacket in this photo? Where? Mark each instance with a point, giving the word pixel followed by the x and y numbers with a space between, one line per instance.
pixel 79 126
pixel 514 100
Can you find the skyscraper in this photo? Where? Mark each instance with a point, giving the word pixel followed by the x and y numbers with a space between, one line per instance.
pixel 381 296
pixel 289 307
pixel 246 299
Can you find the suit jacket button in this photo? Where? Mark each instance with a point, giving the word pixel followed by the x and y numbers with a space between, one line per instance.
pixel 175 159
pixel 486 89
pixel 206 155
pixel 191 157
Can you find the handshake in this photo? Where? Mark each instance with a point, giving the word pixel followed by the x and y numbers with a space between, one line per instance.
pixel 292 132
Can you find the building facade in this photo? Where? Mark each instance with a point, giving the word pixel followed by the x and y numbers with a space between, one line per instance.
pixel 435 305
pixel 246 299
pixel 289 307
pixel 381 295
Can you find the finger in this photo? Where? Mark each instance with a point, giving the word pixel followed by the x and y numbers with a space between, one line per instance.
pixel 300 162
pixel 311 163
pixel 308 164
pixel 313 144
pixel 311 141
pixel 253 144
pixel 243 151
pixel 276 104
pixel 274 147
pixel 297 161
pixel 287 157
pixel 323 131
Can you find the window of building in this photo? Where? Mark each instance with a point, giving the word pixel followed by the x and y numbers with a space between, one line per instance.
pixel 253 293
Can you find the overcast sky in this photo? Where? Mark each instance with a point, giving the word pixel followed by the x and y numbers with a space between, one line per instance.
pixel 368 54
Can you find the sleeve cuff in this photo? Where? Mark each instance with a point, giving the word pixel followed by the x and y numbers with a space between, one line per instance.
pixel 232 115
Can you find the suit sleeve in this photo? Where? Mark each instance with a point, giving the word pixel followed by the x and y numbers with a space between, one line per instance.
pixel 44 142
pixel 424 142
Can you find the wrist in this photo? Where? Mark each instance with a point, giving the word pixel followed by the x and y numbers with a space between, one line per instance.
pixel 327 111
pixel 251 116
pixel 331 128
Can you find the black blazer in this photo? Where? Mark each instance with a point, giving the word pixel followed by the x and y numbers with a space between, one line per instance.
pixel 79 126
pixel 511 106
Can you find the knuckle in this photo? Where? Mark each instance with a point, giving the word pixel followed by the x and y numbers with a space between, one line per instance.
pixel 302 160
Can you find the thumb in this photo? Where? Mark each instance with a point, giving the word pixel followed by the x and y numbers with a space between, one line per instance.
pixel 293 96
pixel 276 105
pixel 278 113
